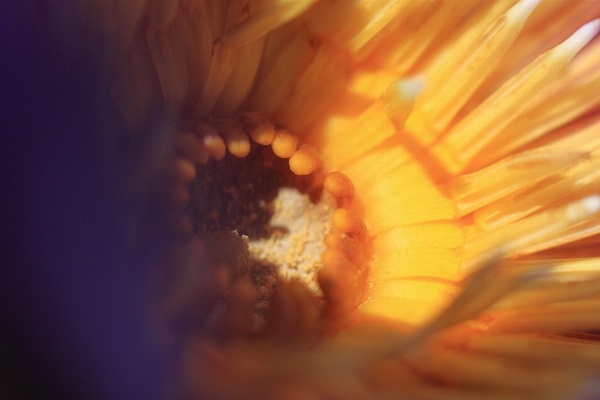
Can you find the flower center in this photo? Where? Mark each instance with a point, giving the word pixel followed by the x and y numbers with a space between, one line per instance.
pixel 282 216
pixel 273 218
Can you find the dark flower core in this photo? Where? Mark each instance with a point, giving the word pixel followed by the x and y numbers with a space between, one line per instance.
pixel 282 217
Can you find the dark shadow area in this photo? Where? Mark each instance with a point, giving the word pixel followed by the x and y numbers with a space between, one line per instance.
pixel 239 193
pixel 72 312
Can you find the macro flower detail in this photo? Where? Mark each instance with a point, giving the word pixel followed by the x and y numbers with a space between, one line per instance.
pixel 371 199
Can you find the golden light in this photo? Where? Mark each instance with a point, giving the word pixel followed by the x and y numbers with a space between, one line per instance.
pixel 436 235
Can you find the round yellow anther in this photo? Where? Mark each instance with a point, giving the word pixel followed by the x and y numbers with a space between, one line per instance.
pixel 260 129
pixel 236 139
pixel 284 143
pixel 239 147
pixel 305 160
pixel 183 170
pixel 339 241
pixel 212 141
pixel 348 221
pixel 338 185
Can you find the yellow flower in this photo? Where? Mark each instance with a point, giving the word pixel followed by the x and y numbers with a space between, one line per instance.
pixel 463 265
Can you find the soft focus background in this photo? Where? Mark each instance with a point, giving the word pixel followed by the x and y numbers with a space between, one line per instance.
pixel 72 285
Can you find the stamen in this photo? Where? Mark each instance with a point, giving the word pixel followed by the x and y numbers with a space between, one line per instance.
pixel 237 141
pixel 183 170
pixel 339 241
pixel 284 143
pixel 211 139
pixel 339 185
pixel 260 129
pixel 305 160
pixel 341 279
pixel 348 221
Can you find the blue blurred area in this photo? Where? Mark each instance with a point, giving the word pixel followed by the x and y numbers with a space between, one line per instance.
pixel 73 314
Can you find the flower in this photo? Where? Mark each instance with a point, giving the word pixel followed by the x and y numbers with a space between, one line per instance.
pixel 457 143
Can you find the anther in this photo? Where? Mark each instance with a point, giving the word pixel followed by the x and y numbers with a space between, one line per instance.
pixel 260 129
pixel 284 143
pixel 237 141
pixel 183 170
pixel 338 185
pixel 348 221
pixel 337 240
pixel 213 142
pixel 305 160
